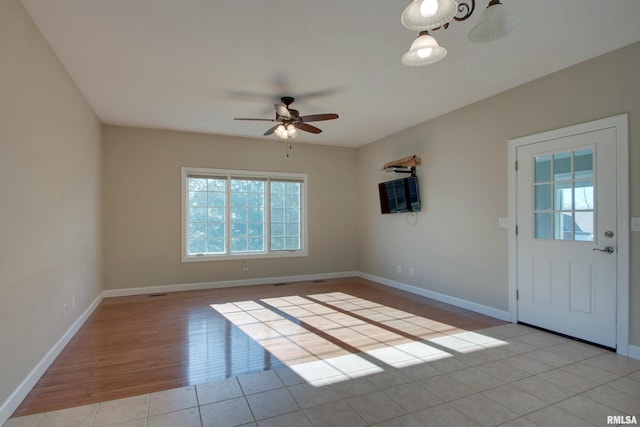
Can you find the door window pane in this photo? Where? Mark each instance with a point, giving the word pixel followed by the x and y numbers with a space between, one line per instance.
pixel 563 225
pixel 564 195
pixel 544 226
pixel 583 164
pixel 584 195
pixel 543 197
pixel 583 226
pixel 562 166
pixel 543 169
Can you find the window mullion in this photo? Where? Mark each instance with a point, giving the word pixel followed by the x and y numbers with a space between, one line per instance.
pixel 267 217
pixel 573 197
pixel 553 198
pixel 206 223
pixel 227 219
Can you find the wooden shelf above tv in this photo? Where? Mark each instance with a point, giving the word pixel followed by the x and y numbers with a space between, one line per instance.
pixel 403 165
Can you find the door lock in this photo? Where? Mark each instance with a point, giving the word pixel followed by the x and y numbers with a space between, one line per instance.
pixel 606 249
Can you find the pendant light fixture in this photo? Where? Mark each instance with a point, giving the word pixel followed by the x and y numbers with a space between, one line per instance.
pixel 424 50
pixel 496 22
pixel 431 15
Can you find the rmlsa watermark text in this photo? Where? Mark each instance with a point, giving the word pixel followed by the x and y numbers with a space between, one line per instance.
pixel 621 419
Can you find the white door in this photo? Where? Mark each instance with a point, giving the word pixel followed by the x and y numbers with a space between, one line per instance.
pixel 567 235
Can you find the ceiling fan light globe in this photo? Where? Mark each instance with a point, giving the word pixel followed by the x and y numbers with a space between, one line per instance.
pixel 496 22
pixel 292 131
pixel 413 19
pixel 281 132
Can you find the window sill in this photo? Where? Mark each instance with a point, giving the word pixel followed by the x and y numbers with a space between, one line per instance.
pixel 244 256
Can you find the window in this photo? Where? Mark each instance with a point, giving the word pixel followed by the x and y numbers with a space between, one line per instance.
pixel 230 214
pixel 564 196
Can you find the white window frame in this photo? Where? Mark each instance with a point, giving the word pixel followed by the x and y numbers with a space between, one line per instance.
pixel 229 174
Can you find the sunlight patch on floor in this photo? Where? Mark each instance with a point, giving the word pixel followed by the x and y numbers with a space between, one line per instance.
pixel 333 337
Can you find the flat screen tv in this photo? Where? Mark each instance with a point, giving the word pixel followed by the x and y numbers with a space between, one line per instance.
pixel 399 195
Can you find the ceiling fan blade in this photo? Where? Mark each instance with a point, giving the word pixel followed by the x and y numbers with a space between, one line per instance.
pixel 282 111
pixel 258 120
pixel 308 128
pixel 270 131
pixel 318 117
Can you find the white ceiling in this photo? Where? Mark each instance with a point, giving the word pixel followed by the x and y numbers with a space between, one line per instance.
pixel 194 65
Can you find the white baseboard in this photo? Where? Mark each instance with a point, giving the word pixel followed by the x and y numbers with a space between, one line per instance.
pixel 634 352
pixel 458 302
pixel 227 284
pixel 15 399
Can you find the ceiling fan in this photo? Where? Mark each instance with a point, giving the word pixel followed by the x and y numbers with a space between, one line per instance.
pixel 289 121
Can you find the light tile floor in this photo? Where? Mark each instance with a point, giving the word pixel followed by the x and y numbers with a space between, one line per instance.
pixel 511 375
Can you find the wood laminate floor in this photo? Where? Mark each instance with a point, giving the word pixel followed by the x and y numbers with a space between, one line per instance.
pixel 143 344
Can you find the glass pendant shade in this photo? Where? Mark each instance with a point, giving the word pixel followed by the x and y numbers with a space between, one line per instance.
pixel 423 15
pixel 495 22
pixel 424 50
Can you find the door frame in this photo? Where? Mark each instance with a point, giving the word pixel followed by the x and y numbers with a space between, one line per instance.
pixel 621 125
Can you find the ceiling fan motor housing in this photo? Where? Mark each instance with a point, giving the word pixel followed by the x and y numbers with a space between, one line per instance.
pixel 287 100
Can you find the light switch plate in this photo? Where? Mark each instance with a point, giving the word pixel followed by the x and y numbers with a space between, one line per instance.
pixel 503 222
pixel 635 223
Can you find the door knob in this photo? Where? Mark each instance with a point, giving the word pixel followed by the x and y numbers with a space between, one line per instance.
pixel 606 250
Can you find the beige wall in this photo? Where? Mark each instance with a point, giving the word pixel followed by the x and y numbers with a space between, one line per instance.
pixel 456 248
pixel 142 205
pixel 49 198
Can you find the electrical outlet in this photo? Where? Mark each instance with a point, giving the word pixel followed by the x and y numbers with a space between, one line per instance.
pixel 399 269
pixel 635 223
pixel 66 307
pixel 245 266
pixel 503 222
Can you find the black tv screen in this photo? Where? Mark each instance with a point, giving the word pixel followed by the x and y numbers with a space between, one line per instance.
pixel 399 195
